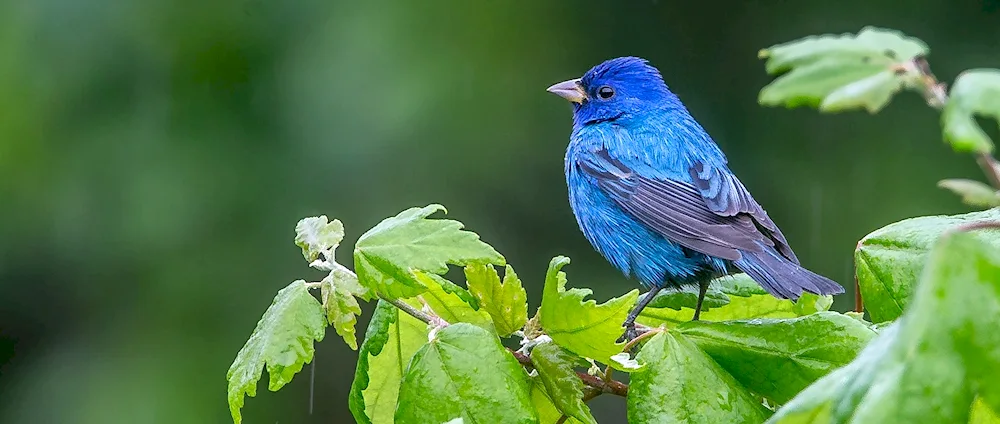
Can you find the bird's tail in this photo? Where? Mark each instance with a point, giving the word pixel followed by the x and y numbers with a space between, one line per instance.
pixel 783 278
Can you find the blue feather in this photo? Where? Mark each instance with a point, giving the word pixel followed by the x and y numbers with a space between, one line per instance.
pixel 653 194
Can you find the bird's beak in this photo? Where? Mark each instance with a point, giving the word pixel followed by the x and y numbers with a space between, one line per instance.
pixel 569 90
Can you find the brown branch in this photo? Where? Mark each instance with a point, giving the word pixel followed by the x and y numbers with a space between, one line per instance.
pixel 613 387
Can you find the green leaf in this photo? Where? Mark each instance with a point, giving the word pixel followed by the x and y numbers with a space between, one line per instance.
pixel 282 341
pixel 315 235
pixel 562 385
pixel 547 411
pixel 465 372
pixel 974 193
pixel 777 358
pixel 681 384
pixel 871 93
pixel 506 302
pixel 982 413
pixel 390 342
pixel 928 366
pixel 976 92
pixel 385 255
pixel 582 326
pixel 728 298
pixel 451 306
pixel 840 72
pixel 890 259
pixel 338 291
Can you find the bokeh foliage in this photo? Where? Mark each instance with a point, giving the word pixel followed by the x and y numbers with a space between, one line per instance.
pixel 153 152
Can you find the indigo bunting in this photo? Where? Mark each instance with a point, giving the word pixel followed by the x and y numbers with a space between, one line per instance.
pixel 653 194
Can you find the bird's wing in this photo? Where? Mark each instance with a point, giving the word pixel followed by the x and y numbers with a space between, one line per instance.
pixel 715 223
pixel 727 196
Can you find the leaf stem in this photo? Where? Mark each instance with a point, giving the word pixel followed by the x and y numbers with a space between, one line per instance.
pixel 937 97
pixel 973 226
pixel 613 387
pixel 416 313
pixel 649 333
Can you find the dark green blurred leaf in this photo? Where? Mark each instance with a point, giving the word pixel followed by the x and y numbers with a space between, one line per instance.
pixel 451 306
pixel 928 366
pixel 506 301
pixel 890 259
pixel 777 358
pixel 391 340
pixel 338 290
pixel 385 255
pixel 282 341
pixel 839 72
pixel 464 372
pixel 315 235
pixel 582 326
pixel 681 383
pixel 974 193
pixel 976 92
pixel 562 386
pixel 732 297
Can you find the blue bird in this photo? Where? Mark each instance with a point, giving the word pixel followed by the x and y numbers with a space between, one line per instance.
pixel 652 193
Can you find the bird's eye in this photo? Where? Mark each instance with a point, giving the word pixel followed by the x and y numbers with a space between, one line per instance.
pixel 606 92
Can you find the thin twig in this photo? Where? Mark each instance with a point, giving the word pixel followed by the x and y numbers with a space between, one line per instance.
pixel 416 313
pixel 859 302
pixel 649 333
pixel 613 387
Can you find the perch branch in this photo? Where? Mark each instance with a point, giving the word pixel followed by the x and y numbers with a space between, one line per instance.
pixel 613 387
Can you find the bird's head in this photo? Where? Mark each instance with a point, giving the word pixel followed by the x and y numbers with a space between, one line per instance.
pixel 619 89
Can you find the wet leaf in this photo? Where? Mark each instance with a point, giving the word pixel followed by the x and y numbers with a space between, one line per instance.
pixel 976 92
pixel 582 326
pixel 682 384
pixel 464 372
pixel 890 259
pixel 282 341
pixel 385 255
pixel 930 364
pixel 562 385
pixel 505 301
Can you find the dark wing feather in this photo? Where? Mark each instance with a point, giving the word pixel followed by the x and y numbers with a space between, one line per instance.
pixel 725 195
pixel 675 209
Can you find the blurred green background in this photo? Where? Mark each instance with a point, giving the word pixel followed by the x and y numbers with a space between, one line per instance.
pixel 155 156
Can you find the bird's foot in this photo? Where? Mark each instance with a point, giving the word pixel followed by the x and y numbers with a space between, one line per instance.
pixel 629 335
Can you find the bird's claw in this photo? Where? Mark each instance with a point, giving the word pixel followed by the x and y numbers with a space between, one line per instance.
pixel 629 335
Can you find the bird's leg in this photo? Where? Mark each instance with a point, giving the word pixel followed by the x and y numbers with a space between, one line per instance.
pixel 629 323
pixel 702 289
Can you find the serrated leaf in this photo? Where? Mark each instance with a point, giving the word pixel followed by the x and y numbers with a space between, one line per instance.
pixel 563 387
pixel 890 259
pixel 506 301
pixel 929 365
pixel 338 290
pixel 282 341
pixel 547 411
pixel 839 72
pixel 777 358
pixel 385 255
pixel 451 306
pixel 682 384
pixel 974 193
pixel 733 297
pixel 582 326
pixel 976 92
pixel 391 340
pixel 316 235
pixel 464 371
